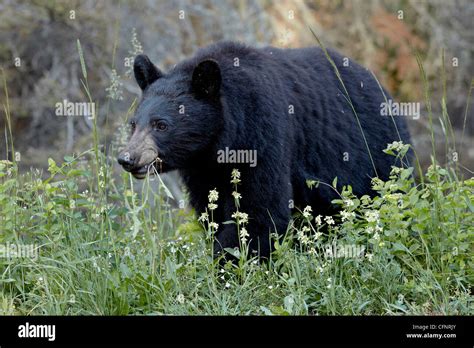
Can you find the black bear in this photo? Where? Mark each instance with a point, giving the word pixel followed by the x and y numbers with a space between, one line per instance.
pixel 287 107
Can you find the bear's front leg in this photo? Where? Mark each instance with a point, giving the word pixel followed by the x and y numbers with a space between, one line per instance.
pixel 264 218
pixel 226 237
pixel 258 242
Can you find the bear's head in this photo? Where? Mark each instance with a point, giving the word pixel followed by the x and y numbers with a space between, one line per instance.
pixel 177 119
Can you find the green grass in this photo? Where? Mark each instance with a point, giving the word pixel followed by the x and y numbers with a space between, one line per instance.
pixel 105 249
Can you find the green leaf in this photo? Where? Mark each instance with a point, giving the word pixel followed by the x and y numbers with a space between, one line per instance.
pixel 469 204
pixel 126 273
pixel 81 58
pixel 400 247
pixel 228 222
pixel 233 251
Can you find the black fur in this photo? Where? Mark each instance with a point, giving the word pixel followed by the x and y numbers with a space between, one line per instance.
pixel 145 72
pixel 247 107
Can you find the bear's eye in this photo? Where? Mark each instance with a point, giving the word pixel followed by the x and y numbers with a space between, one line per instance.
pixel 159 125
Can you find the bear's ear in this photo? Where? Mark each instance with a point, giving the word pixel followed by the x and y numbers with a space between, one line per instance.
pixel 145 72
pixel 206 81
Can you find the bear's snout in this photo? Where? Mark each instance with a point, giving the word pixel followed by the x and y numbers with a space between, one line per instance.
pixel 140 155
pixel 126 161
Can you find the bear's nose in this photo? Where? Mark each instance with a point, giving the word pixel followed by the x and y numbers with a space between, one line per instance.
pixel 126 161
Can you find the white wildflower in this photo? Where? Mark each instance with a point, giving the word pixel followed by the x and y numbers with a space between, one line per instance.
pixel 235 176
pixel 305 229
pixel 329 220
pixel 318 221
pixel 304 239
pixel 213 196
pixel 136 49
pixel 243 234
pixel 242 218
pixel 346 216
pixel 348 202
pixel 114 91
pixel 180 298
pixel 236 195
pixel 213 225
pixel 204 217
pixel 372 216
pixel 307 212
pixel 396 146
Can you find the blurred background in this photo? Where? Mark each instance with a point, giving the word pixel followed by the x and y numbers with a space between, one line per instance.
pixel 41 66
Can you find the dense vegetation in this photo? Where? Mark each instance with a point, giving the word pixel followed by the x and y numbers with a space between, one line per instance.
pixel 104 249
pixel 107 245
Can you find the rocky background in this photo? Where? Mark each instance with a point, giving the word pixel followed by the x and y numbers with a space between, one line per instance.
pixel 41 67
